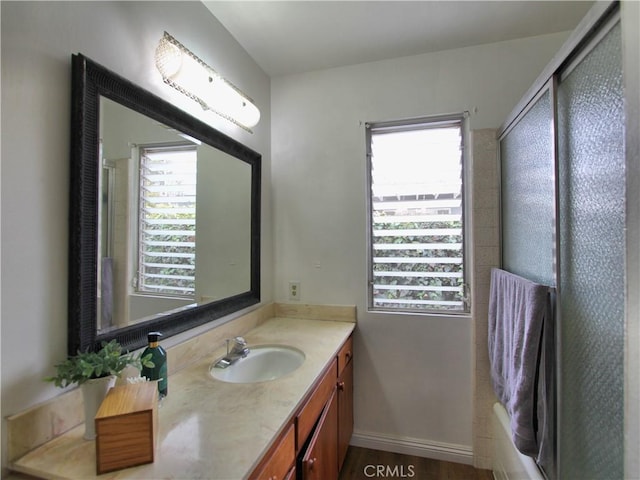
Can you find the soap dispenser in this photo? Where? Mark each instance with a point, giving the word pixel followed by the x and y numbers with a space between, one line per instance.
pixel 159 358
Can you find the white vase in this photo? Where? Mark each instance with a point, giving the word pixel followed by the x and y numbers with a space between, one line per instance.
pixel 93 393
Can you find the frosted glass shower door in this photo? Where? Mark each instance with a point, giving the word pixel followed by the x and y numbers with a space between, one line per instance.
pixel 592 220
pixel 528 194
pixel 528 206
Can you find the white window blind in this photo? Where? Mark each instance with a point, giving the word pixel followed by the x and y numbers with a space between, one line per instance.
pixel 416 217
pixel 167 214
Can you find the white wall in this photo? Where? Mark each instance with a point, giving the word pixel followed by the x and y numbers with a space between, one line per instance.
pixel 414 375
pixel 37 42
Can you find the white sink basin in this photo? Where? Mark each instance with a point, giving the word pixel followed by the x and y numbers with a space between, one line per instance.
pixel 264 363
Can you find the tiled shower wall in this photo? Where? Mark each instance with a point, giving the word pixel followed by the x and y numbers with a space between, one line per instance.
pixel 485 207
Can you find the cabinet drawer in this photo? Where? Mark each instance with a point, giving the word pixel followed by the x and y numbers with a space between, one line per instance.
pixel 345 355
pixel 310 412
pixel 279 459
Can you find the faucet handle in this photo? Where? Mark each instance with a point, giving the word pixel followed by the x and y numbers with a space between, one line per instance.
pixel 239 347
pixel 239 343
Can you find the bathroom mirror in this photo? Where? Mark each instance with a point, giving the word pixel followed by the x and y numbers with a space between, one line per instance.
pixel 164 215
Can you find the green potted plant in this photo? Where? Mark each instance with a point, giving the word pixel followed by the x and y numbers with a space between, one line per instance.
pixel 96 373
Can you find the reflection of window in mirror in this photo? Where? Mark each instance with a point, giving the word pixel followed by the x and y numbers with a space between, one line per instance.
pixel 167 220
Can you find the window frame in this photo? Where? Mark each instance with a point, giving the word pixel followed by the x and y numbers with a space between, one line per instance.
pixel 137 241
pixel 420 123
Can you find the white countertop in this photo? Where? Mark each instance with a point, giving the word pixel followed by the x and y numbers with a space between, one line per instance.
pixel 208 428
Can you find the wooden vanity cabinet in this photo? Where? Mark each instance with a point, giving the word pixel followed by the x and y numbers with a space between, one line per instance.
pixel 314 446
pixel 279 461
pixel 320 458
pixel 292 474
pixel 312 409
pixel 323 456
pixel 345 354
pixel 345 399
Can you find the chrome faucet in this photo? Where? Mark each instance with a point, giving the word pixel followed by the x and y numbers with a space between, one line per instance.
pixel 238 350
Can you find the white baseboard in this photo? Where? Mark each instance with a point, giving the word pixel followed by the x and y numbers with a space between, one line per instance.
pixel 413 446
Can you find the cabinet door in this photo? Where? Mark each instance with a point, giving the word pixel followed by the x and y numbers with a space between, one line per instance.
pixel 345 411
pixel 278 460
pixel 320 462
pixel 292 474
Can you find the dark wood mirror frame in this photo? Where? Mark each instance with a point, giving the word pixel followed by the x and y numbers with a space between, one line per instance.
pixel 90 81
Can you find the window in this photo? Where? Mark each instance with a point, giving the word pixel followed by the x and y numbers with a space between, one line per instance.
pixel 416 216
pixel 167 219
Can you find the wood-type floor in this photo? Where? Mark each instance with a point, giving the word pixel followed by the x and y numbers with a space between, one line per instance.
pixel 367 464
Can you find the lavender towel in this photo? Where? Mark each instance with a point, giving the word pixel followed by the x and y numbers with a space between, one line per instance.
pixel 517 309
pixel 107 292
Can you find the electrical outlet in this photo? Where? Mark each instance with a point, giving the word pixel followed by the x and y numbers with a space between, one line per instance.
pixel 294 290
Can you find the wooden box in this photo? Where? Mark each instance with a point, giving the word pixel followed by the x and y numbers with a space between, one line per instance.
pixel 126 427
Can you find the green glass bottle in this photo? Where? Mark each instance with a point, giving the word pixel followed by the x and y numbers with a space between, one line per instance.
pixel 159 359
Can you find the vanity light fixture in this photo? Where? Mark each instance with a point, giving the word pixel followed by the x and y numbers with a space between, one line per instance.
pixel 187 73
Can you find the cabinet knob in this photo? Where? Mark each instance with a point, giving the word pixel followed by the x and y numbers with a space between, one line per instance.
pixel 347 356
pixel 340 386
pixel 311 462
